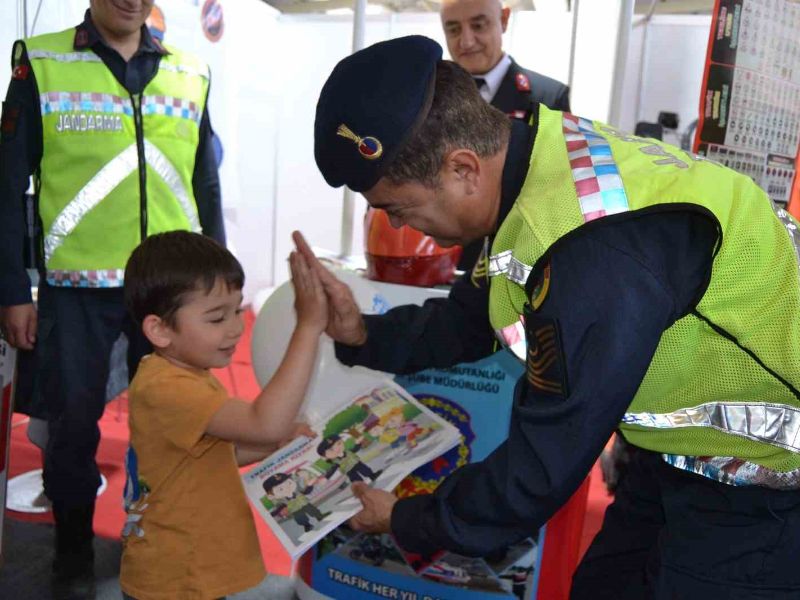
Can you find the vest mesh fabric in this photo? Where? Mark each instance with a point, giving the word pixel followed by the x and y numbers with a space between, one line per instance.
pixel 754 293
pixel 89 199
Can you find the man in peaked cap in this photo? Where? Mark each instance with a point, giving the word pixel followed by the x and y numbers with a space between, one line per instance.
pixel 638 282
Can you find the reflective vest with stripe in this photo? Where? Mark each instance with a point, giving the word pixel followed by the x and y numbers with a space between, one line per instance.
pixel 724 379
pixel 115 167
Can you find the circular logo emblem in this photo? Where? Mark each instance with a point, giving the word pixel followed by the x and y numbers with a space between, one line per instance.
pixel 211 20
pixel 428 477
pixel 369 147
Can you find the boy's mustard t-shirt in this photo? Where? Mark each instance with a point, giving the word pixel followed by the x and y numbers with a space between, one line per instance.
pixel 189 532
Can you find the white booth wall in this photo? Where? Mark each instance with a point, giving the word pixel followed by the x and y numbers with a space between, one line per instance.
pixel 268 68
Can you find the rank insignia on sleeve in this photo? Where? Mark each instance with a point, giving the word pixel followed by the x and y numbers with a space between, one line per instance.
pixel 523 83
pixel 541 288
pixel 545 369
pixel 20 72
pixel 479 276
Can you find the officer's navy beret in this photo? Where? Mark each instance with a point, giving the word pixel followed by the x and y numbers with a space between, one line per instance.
pixel 370 106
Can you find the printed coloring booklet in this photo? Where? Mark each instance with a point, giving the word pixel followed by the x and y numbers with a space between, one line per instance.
pixel 303 491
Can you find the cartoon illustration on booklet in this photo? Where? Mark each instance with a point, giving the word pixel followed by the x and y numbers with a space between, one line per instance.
pixel 303 490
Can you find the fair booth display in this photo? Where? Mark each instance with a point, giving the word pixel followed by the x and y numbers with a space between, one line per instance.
pixel 476 399
pixel 750 101
pixel 625 61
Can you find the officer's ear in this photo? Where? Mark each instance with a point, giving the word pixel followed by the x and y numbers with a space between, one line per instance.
pixel 465 167
pixel 505 12
pixel 157 331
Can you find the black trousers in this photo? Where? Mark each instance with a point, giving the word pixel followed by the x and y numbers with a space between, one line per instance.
pixel 670 534
pixel 361 472
pixel 77 329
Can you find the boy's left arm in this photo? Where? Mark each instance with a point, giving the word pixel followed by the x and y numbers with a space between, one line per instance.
pixel 247 455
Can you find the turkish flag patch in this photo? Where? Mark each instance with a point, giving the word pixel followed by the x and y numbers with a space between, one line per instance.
pixel 523 83
pixel 20 72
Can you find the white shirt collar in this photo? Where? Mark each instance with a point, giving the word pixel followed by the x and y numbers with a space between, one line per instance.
pixel 494 78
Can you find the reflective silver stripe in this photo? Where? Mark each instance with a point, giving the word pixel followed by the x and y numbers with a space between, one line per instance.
pixel 65 56
pixel 165 66
pixel 735 471
pixel 161 165
pixel 97 188
pixel 791 227
pixel 101 185
pixel 505 264
pixel 498 263
pixel 775 424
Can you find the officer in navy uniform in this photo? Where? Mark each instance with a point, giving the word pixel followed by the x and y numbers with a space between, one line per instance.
pixel 652 294
pixel 474 33
pixel 73 328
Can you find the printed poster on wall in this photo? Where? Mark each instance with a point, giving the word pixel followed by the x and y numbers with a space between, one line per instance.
pixel 750 101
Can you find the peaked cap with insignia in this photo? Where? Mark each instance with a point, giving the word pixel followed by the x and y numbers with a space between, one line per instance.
pixel 372 103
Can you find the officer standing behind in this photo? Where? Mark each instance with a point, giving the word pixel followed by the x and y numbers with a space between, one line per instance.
pixel 115 128
pixel 644 287
pixel 474 32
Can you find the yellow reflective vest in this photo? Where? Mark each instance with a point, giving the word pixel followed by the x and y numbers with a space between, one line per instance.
pixel 115 167
pixel 724 379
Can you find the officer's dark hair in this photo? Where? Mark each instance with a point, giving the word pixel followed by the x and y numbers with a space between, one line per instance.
pixel 166 267
pixel 459 118
pixel 327 443
pixel 271 482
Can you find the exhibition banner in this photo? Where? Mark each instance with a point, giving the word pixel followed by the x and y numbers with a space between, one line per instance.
pixel 750 101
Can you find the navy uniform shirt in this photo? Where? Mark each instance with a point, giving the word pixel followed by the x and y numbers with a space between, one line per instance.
pixel 21 152
pixel 615 285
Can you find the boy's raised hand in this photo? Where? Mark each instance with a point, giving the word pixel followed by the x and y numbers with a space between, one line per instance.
pixel 345 323
pixel 310 300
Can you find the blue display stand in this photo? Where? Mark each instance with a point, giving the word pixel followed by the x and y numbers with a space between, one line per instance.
pixel 477 399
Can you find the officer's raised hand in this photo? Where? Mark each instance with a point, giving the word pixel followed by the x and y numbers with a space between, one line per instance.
pixel 345 323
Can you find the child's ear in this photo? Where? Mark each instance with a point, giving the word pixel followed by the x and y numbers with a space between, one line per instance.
pixel 157 331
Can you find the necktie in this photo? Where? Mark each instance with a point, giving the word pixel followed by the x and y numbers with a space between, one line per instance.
pixel 479 82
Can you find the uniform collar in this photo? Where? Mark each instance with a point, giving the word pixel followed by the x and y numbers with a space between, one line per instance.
pixel 86 36
pixel 494 77
pixel 518 159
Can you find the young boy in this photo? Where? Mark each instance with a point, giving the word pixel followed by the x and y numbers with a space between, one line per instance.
pixel 190 533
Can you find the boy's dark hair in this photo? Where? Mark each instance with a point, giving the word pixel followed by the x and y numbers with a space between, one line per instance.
pixel 167 266
pixel 274 480
pixel 327 443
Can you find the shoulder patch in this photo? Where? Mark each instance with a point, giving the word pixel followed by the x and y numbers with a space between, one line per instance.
pixel 545 368
pixel 20 72
pixel 8 121
pixel 523 83
pixel 541 288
